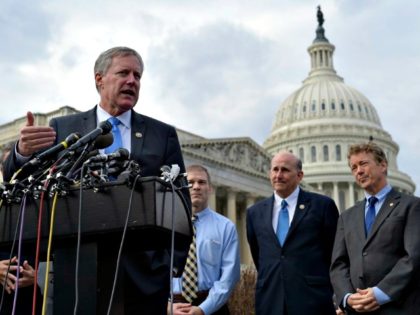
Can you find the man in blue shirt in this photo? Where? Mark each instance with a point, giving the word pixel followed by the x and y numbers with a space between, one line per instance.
pixel 217 253
pixel 376 257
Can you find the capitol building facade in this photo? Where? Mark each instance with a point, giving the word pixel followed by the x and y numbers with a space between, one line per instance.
pixel 318 123
pixel 320 120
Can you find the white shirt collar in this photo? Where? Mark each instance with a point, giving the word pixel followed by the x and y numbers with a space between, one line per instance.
pixel 125 117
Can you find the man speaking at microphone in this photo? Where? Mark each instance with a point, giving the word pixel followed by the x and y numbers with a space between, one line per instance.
pixel 151 143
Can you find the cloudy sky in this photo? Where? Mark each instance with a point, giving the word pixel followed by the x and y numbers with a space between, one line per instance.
pixel 217 68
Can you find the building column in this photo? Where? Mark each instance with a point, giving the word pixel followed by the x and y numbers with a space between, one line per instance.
pixel 212 198
pixel 351 193
pixel 231 205
pixel 246 257
pixel 335 194
pixel 318 55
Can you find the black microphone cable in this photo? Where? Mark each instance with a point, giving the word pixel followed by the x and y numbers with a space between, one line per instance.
pixel 19 227
pixel 11 254
pixel 117 267
pixel 79 236
pixel 78 161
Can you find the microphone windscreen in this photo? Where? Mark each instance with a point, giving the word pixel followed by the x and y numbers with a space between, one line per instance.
pixel 104 141
pixel 106 126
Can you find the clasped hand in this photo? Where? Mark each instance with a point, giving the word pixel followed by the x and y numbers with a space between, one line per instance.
pixel 26 274
pixel 363 301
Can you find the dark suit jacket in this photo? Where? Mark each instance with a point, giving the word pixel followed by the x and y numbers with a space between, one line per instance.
pixel 388 258
pixel 294 276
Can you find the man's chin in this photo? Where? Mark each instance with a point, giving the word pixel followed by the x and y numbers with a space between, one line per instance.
pixel 126 106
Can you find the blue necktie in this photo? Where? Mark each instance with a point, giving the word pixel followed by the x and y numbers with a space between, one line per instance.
pixel 116 133
pixel 370 215
pixel 283 222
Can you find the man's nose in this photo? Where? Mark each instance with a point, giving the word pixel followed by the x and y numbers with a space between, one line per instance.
pixel 131 79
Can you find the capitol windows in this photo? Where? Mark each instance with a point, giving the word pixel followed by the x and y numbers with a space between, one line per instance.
pixel 351 106
pixel 325 153
pixel 323 106
pixel 304 108
pixel 342 105
pixel 367 113
pixel 302 155
pixel 338 152
pixel 314 106
pixel 332 105
pixel 313 154
pixel 358 107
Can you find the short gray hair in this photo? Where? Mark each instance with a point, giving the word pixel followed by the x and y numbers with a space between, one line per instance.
pixel 104 60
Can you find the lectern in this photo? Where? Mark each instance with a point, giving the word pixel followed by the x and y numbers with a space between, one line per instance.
pixel 103 216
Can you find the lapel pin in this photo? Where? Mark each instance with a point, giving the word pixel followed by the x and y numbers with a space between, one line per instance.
pixel 138 135
pixel 301 207
pixel 391 204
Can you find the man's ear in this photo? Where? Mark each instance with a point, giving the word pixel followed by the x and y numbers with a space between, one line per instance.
pixel 98 80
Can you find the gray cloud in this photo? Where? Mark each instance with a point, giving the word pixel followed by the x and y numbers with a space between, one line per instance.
pixel 24 31
pixel 220 73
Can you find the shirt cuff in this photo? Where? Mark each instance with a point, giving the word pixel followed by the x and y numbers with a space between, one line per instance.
pixel 345 300
pixel 381 296
pixel 21 159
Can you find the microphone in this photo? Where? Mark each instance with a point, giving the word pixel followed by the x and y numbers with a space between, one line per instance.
pixel 165 173
pixel 43 156
pixel 103 141
pixel 120 155
pixel 103 128
pixel 170 173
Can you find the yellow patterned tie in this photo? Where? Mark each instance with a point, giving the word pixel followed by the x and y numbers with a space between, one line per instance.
pixel 189 277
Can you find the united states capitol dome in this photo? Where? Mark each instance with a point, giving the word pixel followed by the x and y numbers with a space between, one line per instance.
pixel 320 120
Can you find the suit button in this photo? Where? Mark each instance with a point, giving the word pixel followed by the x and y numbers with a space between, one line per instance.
pixel 364 254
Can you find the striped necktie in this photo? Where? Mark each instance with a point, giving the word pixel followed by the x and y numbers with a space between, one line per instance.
pixel 116 133
pixel 190 277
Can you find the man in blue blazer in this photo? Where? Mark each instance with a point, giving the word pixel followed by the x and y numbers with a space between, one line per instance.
pixel 151 143
pixel 291 235
pixel 376 258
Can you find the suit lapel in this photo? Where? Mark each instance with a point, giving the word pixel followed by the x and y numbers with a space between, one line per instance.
pixel 89 121
pixel 391 201
pixel 138 131
pixel 267 217
pixel 359 221
pixel 302 207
